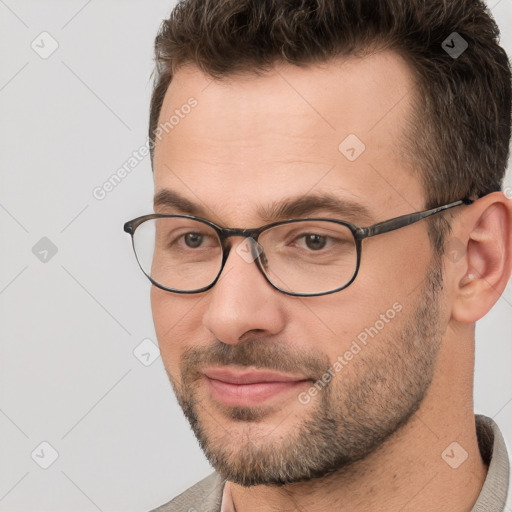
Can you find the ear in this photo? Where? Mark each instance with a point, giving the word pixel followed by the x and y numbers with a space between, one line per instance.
pixel 483 232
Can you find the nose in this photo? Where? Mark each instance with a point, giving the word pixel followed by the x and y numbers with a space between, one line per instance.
pixel 242 301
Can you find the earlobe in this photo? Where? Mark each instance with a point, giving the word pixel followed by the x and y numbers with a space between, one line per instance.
pixel 487 261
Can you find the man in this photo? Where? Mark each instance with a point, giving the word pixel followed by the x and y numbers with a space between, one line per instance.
pixel 327 364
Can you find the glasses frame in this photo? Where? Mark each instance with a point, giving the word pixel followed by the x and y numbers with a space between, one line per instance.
pixel 359 233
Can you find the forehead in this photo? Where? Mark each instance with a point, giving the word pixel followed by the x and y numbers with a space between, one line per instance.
pixel 335 127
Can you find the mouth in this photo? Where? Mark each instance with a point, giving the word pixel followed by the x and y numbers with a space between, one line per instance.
pixel 249 388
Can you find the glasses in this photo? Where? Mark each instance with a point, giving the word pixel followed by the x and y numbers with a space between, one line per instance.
pixel 300 257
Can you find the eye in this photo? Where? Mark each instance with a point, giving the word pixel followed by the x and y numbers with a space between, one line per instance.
pixel 193 240
pixel 314 242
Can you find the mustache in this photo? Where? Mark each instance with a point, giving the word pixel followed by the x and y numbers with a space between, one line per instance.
pixel 255 352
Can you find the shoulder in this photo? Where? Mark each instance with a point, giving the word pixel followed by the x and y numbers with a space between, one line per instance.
pixel 204 496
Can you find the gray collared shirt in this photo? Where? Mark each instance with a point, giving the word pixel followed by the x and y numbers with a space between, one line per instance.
pixel 493 496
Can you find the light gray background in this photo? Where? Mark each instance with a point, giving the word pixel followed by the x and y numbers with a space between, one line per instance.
pixel 69 325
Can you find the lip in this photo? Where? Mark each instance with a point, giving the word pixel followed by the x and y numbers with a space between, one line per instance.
pixel 249 387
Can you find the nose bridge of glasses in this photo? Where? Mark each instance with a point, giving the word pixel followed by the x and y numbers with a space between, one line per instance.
pixel 248 245
pixel 243 232
pixel 248 248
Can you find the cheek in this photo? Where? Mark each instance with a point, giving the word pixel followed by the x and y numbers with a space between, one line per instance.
pixel 395 263
pixel 175 319
pixel 378 301
pixel 342 325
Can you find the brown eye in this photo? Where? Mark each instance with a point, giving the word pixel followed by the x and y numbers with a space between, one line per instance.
pixel 315 242
pixel 193 240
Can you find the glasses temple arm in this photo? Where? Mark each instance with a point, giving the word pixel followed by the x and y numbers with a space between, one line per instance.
pixel 406 220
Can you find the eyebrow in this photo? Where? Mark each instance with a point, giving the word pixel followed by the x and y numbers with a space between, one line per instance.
pixel 170 199
pixel 288 208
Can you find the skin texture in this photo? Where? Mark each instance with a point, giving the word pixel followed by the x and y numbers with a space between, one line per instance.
pixel 392 410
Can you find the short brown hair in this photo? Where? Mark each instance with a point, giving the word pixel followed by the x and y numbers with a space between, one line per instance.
pixel 459 133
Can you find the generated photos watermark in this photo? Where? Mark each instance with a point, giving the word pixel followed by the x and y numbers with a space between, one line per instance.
pixel 356 346
pixel 100 192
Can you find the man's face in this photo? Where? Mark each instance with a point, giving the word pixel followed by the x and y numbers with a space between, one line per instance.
pixel 356 363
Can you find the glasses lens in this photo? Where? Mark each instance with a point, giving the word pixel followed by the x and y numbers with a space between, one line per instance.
pixel 309 256
pixel 178 253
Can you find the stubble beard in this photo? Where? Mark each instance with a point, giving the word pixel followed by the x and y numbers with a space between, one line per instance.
pixel 353 416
